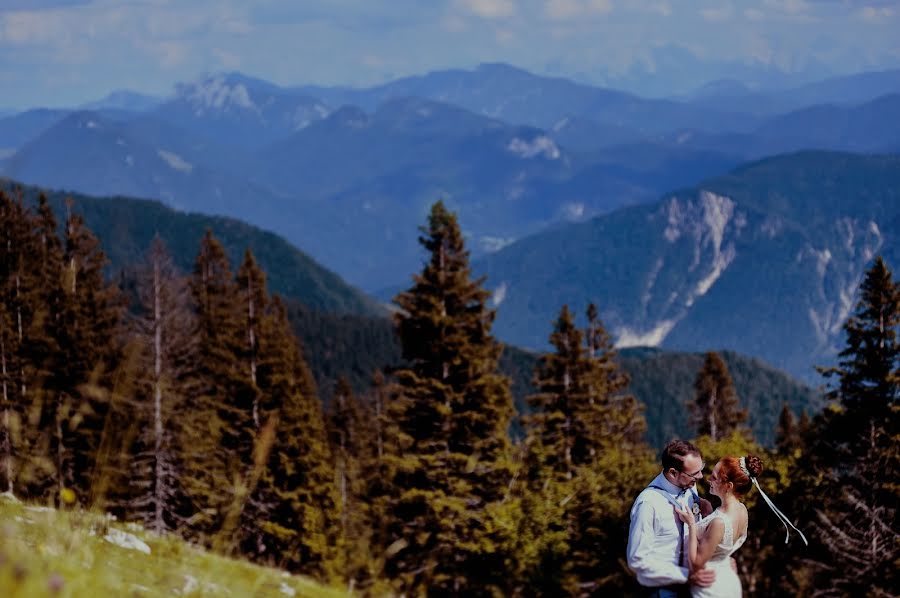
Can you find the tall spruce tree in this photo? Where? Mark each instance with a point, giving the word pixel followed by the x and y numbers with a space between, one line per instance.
pixel 353 441
pixel 212 460
pixel 15 245
pixel 450 466
pixel 296 494
pixel 584 431
pixel 42 294
pixel 858 444
pixel 86 331
pixel 715 408
pixel 165 330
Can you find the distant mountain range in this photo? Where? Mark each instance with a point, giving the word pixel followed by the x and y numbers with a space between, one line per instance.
pixel 348 174
pixel 764 261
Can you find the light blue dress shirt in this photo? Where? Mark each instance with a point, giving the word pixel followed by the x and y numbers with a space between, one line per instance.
pixel 656 535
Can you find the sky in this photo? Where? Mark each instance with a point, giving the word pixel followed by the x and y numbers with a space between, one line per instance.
pixel 66 52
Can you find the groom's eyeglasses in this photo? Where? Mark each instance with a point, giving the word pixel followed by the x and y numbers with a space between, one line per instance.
pixel 697 474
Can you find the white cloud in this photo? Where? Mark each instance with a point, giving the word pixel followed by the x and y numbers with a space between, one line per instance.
pixel 754 14
pixel 875 14
pixel 562 10
pixel 793 7
pixel 717 14
pixel 663 8
pixel 489 9
pixel 33 28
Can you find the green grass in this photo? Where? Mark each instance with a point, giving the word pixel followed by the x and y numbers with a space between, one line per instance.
pixel 44 552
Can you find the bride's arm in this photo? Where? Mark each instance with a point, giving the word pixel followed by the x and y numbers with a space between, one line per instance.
pixel 701 546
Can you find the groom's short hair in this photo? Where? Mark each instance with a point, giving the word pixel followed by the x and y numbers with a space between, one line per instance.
pixel 675 452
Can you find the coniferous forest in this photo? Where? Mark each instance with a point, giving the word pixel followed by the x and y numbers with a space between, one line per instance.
pixel 183 400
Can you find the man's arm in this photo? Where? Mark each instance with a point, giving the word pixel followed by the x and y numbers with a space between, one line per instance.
pixel 653 572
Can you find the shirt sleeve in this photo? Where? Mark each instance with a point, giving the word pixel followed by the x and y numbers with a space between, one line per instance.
pixel 651 571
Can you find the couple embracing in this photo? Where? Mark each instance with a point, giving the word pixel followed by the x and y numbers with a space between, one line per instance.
pixel 677 545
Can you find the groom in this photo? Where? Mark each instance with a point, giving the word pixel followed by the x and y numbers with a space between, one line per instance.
pixel 656 539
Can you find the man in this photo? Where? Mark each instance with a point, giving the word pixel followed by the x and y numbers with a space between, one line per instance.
pixel 656 546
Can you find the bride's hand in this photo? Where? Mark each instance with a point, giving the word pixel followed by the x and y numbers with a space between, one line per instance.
pixel 685 515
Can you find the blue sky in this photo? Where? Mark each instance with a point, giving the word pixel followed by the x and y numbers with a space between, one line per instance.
pixel 66 52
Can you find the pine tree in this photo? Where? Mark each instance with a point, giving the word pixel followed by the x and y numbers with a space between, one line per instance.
pixel 86 331
pixel 614 417
pixel 296 491
pixel 166 331
pixel 15 237
pixel 353 442
pixel 42 293
pixel 583 431
pixel 564 390
pixel 715 409
pixel 787 432
pixel 212 437
pixel 450 467
pixel 860 435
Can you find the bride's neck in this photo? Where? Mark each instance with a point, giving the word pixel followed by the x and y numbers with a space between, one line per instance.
pixel 729 501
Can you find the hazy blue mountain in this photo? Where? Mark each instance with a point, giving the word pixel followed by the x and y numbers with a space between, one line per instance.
pixel 866 127
pixel 18 129
pixel 238 110
pixel 124 99
pixel 375 175
pixel 88 153
pixel 673 69
pixel 581 134
pixel 764 261
pixel 517 96
pixel 843 90
pixel 873 126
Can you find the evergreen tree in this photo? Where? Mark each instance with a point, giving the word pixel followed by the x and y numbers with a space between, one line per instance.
pixel 564 390
pixel 15 243
pixel 353 442
pixel 583 432
pixel 715 409
pixel 615 417
pixel 860 435
pixel 166 332
pixel 295 494
pixel 86 331
pixel 788 432
pixel 212 442
pixel 42 293
pixel 450 467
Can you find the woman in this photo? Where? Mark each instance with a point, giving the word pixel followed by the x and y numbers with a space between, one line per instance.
pixel 713 540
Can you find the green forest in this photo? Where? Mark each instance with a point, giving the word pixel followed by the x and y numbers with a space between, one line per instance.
pixel 183 399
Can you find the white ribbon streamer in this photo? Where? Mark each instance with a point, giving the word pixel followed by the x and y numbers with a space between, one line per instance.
pixel 781 516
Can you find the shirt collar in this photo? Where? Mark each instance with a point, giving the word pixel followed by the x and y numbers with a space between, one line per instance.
pixel 669 487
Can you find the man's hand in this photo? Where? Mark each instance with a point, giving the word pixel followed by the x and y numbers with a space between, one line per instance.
pixel 705 506
pixel 702 578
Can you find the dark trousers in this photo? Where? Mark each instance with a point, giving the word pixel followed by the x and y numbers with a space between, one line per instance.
pixel 675 591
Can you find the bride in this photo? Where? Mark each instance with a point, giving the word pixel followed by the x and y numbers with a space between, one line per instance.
pixel 713 540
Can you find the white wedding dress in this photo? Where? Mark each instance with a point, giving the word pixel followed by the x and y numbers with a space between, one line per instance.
pixel 727 584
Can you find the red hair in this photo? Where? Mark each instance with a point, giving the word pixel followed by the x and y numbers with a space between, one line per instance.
pixel 730 471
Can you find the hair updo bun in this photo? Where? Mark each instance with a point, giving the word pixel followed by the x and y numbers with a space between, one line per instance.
pixel 754 465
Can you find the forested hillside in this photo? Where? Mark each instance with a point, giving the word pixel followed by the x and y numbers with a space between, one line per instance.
pixel 183 401
pixel 126 226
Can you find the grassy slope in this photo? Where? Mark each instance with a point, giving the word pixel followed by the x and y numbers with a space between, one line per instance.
pixel 55 553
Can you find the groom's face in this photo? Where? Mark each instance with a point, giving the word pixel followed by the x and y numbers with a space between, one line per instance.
pixel 691 471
